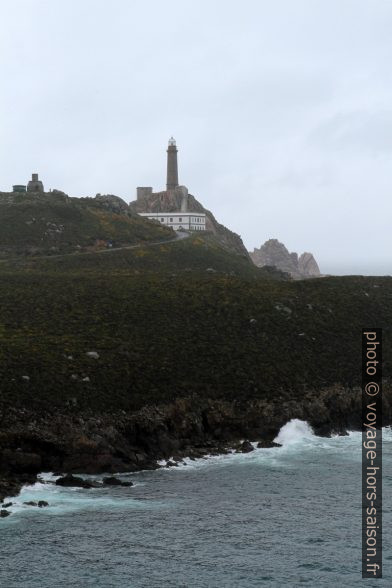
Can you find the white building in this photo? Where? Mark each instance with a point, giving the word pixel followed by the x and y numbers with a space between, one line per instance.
pixel 190 221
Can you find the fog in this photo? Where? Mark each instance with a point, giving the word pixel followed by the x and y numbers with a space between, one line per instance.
pixel 282 112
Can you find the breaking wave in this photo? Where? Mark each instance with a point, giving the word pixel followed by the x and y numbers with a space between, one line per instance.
pixel 293 432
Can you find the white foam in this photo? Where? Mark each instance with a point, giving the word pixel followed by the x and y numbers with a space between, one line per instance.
pixel 48 477
pixel 294 432
pixel 296 437
pixel 387 433
pixel 63 500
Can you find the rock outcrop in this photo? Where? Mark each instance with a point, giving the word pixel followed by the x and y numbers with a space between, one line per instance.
pixel 274 253
pixel 186 427
pixel 308 265
pixel 70 481
pixel 170 201
pixel 112 203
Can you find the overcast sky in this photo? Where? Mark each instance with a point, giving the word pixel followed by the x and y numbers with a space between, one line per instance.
pixel 282 112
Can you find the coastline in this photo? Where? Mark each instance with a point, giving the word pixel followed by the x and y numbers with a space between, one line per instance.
pixel 91 443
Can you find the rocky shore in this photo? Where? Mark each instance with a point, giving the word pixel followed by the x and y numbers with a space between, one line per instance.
pixel 89 443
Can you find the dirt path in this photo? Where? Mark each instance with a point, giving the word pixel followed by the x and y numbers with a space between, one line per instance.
pixel 179 237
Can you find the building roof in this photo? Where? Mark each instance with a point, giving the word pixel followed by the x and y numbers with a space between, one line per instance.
pixel 176 213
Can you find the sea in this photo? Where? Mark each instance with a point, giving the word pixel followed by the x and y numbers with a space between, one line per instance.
pixel 282 517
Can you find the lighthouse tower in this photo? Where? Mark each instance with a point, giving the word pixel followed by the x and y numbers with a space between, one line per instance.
pixel 158 206
pixel 172 166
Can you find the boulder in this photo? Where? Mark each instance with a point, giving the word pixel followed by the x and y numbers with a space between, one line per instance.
pixel 112 203
pixel 42 503
pixel 267 444
pixel 70 481
pixel 7 505
pixel 246 447
pixel 4 513
pixel 31 503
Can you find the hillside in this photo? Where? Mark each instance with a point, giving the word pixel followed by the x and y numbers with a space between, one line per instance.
pixel 197 252
pixel 157 312
pixel 53 223
pixel 113 358
pixel 176 331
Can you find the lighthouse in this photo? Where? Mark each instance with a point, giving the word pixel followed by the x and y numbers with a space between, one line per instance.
pixel 172 166
pixel 171 207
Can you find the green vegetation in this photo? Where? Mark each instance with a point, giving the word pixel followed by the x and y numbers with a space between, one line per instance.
pixel 192 253
pixel 166 319
pixel 54 223
pixel 165 327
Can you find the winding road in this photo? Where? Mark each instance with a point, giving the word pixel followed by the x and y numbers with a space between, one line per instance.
pixel 180 235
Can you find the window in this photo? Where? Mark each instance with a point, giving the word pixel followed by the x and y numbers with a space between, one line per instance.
pixel 162 220
pixel 171 219
pixel 180 219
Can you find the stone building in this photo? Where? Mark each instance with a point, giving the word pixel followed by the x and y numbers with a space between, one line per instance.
pixel 35 185
pixel 182 217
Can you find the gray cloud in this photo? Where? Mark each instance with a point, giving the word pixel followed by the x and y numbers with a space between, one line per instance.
pixel 281 111
pixel 368 132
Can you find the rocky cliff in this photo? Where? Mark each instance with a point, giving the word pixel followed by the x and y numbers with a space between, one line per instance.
pixel 171 202
pixel 95 442
pixel 274 253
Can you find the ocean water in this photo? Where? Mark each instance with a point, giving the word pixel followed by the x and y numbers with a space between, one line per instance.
pixel 288 516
